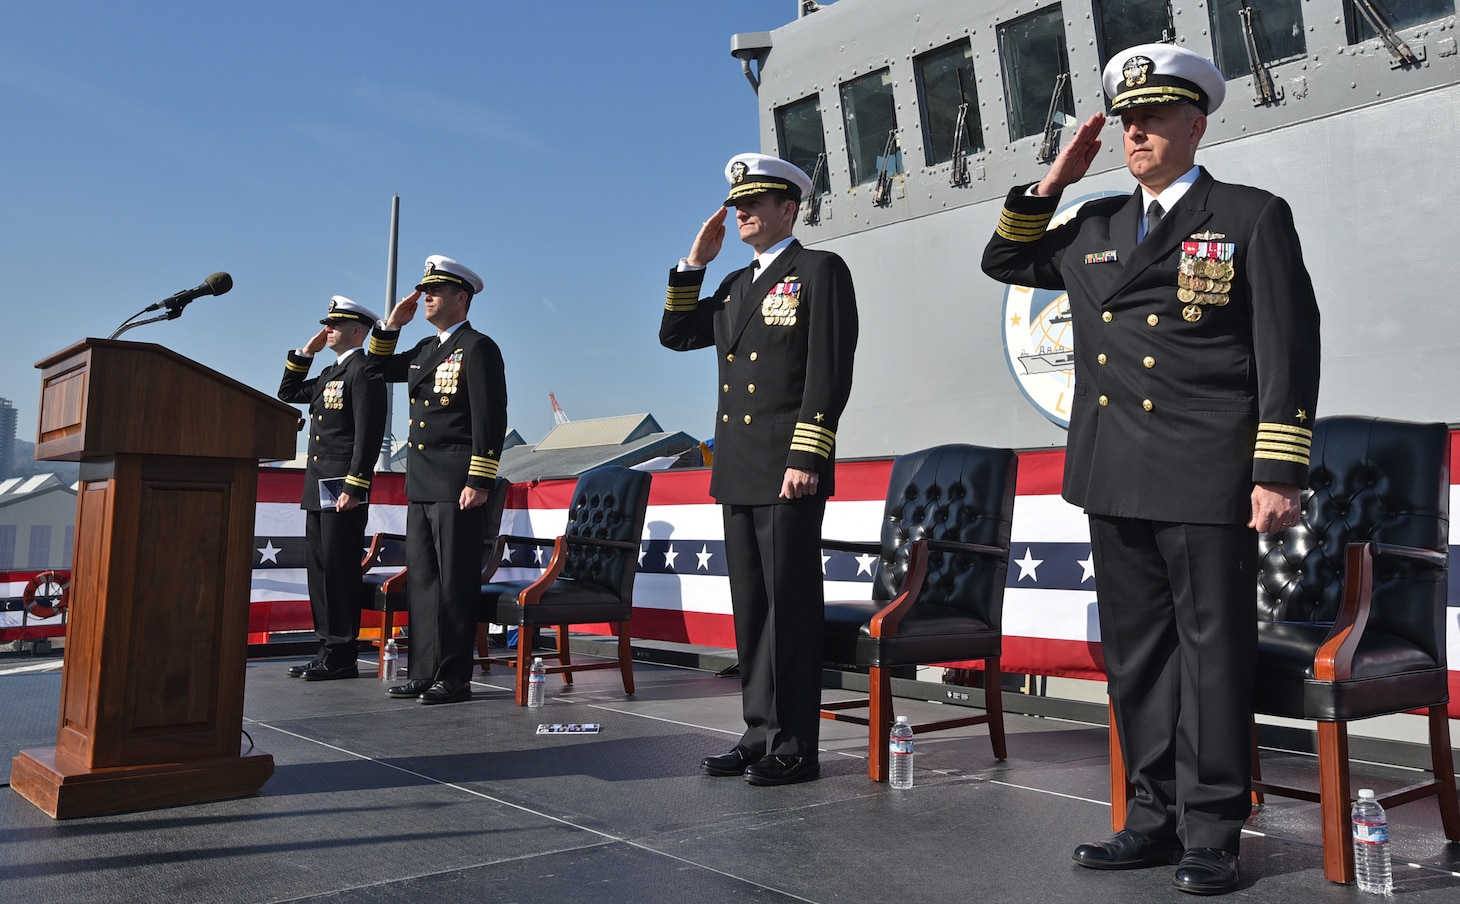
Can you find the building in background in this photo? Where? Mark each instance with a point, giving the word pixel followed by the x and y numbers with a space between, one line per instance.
pixel 37 523
pixel 7 438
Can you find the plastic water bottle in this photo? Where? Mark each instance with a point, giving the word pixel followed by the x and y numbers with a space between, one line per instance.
pixel 900 753
pixel 391 656
pixel 1372 869
pixel 536 683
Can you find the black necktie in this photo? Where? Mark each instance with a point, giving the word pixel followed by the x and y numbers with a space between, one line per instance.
pixel 1153 216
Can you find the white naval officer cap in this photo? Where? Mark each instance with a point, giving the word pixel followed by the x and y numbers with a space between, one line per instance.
pixel 1163 74
pixel 342 308
pixel 754 174
pixel 442 269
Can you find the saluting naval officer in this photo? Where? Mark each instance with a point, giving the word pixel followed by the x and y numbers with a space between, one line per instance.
pixel 1196 379
pixel 784 330
pixel 458 410
pixel 346 423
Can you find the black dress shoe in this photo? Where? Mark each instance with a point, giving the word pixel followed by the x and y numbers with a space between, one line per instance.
pixel 783 770
pixel 296 671
pixel 733 763
pixel 325 673
pixel 1206 871
pixel 447 690
pixel 413 688
pixel 1128 849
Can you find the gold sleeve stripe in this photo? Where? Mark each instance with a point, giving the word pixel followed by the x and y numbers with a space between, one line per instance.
pixel 482 467
pixel 812 438
pixel 380 346
pixel 1284 428
pixel 1279 456
pixel 1270 445
pixel 1021 227
pixel 682 298
pixel 354 481
pixel 296 368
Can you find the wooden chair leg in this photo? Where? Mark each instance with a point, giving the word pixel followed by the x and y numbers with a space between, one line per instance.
pixel 879 722
pixel 993 699
pixel 526 638
pixel 1120 790
pixel 1444 769
pixel 625 656
pixel 565 654
pixel 484 647
pixel 1334 801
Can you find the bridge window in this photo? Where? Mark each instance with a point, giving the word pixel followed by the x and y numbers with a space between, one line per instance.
pixel 949 101
pixel 870 118
pixel 1397 13
pixel 7 547
pixel 1126 23
pixel 1277 34
pixel 1035 57
pixel 802 138
pixel 40 547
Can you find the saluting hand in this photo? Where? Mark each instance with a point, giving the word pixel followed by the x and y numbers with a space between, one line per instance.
pixel 1074 158
pixel 707 243
pixel 315 345
pixel 404 310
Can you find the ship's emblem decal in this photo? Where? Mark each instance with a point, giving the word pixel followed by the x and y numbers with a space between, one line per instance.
pixel 1039 347
pixel 1136 69
pixel 738 169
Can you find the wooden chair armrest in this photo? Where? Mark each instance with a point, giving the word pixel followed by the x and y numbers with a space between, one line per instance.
pixel 534 591
pixel 885 622
pixel 494 559
pixel 852 546
pixel 604 542
pixel 1334 660
pixel 529 541
pixel 377 545
pixel 976 549
pixel 396 583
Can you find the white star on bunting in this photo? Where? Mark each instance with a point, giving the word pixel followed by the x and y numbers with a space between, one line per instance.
pixel 269 553
pixel 1028 564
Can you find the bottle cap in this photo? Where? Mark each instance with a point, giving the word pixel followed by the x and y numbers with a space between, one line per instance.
pixel 901 719
pixel 1366 794
pixel 537 660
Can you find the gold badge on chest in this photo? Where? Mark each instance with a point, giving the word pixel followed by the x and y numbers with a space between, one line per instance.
pixel 780 304
pixel 1205 273
pixel 448 375
pixel 333 395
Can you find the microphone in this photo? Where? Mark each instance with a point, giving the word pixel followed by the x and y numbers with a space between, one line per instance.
pixel 216 284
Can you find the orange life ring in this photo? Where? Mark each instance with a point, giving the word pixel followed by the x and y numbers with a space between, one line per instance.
pixel 52 601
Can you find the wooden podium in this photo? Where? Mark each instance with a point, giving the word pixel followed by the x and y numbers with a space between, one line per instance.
pixel 152 694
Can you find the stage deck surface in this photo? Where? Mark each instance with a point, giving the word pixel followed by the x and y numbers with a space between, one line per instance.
pixel 378 800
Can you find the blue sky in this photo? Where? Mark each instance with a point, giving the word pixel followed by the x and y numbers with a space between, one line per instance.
pixel 566 151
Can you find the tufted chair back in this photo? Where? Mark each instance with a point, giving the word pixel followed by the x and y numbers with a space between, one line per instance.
pixel 955 492
pixel 1374 480
pixel 609 503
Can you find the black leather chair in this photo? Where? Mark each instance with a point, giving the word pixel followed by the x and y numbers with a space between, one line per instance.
pixel 590 578
pixel 938 595
pixel 384 568
pixel 1351 609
